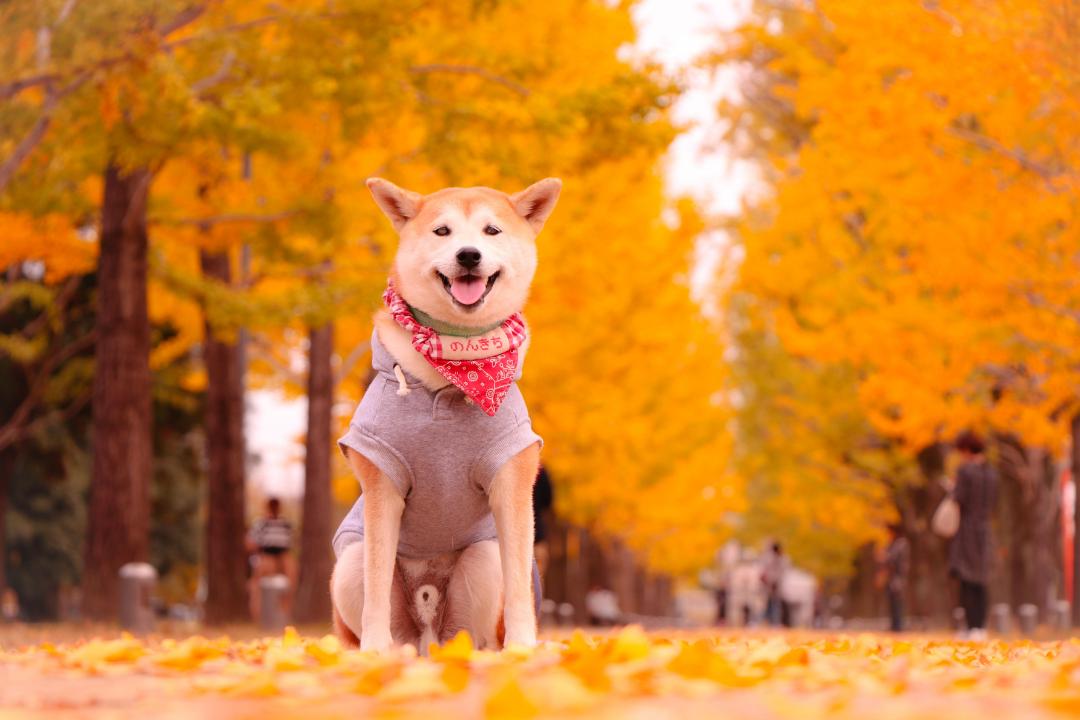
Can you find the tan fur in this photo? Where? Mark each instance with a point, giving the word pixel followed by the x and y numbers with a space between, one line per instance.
pixel 489 591
pixel 466 211
pixel 511 503
pixel 345 634
pixel 398 343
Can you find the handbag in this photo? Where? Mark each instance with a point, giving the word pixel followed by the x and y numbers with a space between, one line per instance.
pixel 946 520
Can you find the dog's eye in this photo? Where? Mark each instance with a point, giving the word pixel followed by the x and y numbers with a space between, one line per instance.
pixel 441 231
pixel 492 230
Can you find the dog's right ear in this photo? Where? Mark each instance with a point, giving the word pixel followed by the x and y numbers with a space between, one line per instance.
pixel 398 204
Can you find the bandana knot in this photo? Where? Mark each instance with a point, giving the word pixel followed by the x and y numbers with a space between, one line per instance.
pixel 483 366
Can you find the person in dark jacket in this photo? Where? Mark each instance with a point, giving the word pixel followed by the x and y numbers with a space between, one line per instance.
pixel 543 497
pixel 896 563
pixel 970 552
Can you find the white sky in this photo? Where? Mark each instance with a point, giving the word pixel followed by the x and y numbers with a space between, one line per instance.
pixel 676 33
pixel 673 32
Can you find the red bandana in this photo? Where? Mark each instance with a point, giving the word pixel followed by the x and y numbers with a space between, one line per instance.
pixel 483 366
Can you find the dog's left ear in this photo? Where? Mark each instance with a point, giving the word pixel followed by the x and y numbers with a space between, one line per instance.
pixel 536 202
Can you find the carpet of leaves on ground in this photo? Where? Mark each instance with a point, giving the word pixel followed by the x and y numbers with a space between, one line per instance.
pixel 628 673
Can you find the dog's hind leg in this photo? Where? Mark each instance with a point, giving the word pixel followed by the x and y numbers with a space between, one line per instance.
pixel 347 597
pixel 474 595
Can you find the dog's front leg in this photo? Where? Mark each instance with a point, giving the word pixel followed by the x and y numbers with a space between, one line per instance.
pixel 383 505
pixel 511 503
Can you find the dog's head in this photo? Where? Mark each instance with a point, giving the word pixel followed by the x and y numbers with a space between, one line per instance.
pixel 467 255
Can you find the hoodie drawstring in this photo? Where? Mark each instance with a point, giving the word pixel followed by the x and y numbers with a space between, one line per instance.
pixel 403 387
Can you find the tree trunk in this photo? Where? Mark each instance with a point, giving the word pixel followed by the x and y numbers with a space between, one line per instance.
pixel 7 463
pixel 1075 471
pixel 1033 548
pixel 316 560
pixel 577 572
pixel 621 575
pixel 555 580
pixel 119 509
pixel 930 590
pixel 226 556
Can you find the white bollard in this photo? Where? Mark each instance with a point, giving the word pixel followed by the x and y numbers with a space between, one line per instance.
pixel 137 581
pixel 272 590
pixel 1061 616
pixel 1001 618
pixel 959 618
pixel 566 614
pixel 548 609
pixel 1029 618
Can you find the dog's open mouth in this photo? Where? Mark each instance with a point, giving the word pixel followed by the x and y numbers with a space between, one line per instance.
pixel 468 291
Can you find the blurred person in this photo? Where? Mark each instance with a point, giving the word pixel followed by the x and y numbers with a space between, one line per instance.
pixel 773 567
pixel 727 559
pixel 543 497
pixel 9 605
pixel 895 566
pixel 798 596
pixel 975 493
pixel 270 542
pixel 745 596
pixel 602 606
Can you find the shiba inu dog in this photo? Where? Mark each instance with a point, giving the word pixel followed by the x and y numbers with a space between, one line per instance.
pixel 442 537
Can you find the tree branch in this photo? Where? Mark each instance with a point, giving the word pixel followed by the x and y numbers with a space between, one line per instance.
pixel 263 352
pixel 38 130
pixel 28 143
pixel 991 145
pixel 1039 301
pixel 64 13
pixel 236 27
pixel 58 304
pixel 471 70
pixel 14 87
pixel 64 415
pixel 350 361
pixel 183 18
pixel 201 86
pixel 12 430
pixel 210 221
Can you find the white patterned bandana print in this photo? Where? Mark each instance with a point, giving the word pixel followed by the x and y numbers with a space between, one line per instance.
pixel 482 366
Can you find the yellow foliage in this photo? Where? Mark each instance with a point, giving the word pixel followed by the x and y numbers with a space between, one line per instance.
pixel 913 258
pixel 51 240
pixel 628 672
pixel 260 126
pixel 928 237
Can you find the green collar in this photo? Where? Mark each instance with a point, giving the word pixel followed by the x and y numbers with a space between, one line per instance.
pixel 446 328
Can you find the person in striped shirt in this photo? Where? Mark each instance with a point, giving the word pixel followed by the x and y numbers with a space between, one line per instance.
pixel 270 543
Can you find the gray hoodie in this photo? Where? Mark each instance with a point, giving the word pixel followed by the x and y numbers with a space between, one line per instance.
pixel 441 452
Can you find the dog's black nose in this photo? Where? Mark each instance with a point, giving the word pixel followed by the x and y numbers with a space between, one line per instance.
pixel 468 257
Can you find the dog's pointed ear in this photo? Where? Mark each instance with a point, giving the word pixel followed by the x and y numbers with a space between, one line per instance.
pixel 398 204
pixel 536 202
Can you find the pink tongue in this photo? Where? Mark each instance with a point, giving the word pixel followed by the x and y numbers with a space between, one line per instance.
pixel 467 290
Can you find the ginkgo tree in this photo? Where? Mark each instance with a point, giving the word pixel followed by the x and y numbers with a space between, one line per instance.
pixel 917 231
pixel 224 150
pixel 143 87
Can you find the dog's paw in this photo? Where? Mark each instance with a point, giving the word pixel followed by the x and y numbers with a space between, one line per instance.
pixel 523 635
pixel 376 641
